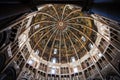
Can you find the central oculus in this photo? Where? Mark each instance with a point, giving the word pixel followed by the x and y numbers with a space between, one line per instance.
pixel 61 25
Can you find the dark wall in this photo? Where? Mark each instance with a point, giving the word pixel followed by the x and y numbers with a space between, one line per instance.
pixel 107 8
pixel 13 9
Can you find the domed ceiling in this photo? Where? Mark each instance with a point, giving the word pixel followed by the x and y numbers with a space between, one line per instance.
pixel 62 33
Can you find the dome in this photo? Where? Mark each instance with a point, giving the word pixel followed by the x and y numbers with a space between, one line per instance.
pixel 60 42
pixel 62 32
pixel 62 36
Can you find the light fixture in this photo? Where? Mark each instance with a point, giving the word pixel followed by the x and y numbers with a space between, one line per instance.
pixel 37 26
pixel 53 71
pixel 83 38
pixel 73 59
pixel 30 62
pixel 75 69
pixel 55 51
pixel 100 55
pixel 90 45
pixel 53 60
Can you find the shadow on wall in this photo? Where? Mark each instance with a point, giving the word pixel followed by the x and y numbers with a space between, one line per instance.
pixel 112 76
pixel 2 61
pixel 8 74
